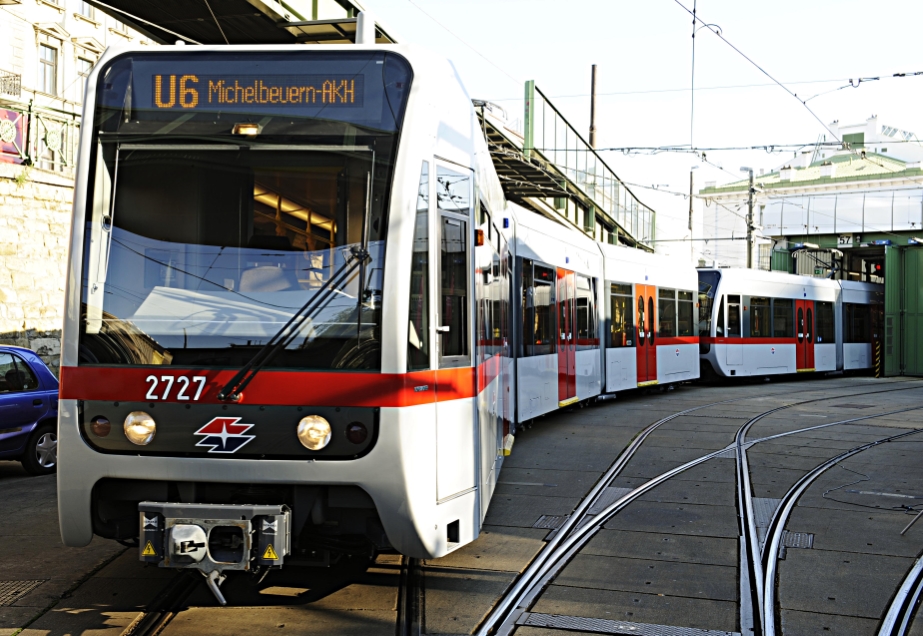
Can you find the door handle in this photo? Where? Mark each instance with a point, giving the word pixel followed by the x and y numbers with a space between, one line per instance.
pixel 36 402
pixel 443 329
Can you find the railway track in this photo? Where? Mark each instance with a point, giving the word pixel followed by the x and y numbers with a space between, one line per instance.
pixel 509 611
pixel 580 527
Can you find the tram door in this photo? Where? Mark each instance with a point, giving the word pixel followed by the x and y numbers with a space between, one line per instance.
pixel 566 300
pixel 804 319
pixel 647 331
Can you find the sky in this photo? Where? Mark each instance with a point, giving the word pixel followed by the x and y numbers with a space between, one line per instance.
pixel 643 50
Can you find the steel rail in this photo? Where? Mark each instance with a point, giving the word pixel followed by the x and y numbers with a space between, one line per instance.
pixel 567 541
pixel 897 619
pixel 751 573
pixel 751 554
pixel 535 568
pixel 779 519
pixel 409 602
pixel 165 606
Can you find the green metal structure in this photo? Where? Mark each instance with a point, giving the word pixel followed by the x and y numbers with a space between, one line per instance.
pixel 903 328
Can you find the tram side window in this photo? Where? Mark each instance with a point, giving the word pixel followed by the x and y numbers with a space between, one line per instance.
pixel 666 309
pixel 685 314
pixel 587 334
pixel 538 317
pixel 858 322
pixel 734 322
pixel 719 322
pixel 622 329
pixel 760 317
pixel 418 335
pixel 826 331
pixel 783 318
pixel 454 252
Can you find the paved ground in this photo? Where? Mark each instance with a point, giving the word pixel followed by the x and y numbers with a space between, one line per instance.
pixel 670 558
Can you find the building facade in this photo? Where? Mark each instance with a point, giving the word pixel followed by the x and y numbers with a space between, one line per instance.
pixel 47 48
pixel 831 211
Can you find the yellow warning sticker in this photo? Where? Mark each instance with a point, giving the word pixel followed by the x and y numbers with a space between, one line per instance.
pixel 149 550
pixel 270 553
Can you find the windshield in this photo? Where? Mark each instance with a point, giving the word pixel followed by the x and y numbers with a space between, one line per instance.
pixel 214 215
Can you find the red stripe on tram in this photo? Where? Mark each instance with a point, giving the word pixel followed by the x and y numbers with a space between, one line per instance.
pixel 283 388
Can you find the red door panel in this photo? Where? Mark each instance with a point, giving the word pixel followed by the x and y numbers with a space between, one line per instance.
pixel 641 336
pixel 652 332
pixel 566 301
pixel 804 323
pixel 646 350
pixel 572 335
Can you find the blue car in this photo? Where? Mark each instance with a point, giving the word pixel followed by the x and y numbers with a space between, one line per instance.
pixel 28 411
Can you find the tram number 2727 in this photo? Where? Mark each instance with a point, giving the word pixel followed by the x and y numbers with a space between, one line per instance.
pixel 182 385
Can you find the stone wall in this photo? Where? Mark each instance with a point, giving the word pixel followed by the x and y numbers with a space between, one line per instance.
pixel 35 217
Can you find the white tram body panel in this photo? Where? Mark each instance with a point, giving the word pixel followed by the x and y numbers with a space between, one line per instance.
pixel 766 323
pixel 555 248
pixel 677 353
pixel 855 295
pixel 421 351
pixel 434 463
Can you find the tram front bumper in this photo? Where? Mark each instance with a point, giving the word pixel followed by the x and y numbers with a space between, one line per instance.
pixel 214 538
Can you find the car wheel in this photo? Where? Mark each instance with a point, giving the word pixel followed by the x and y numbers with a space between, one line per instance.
pixel 41 454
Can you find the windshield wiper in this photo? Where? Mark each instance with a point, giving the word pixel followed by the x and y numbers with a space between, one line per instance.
pixel 358 258
pixel 231 391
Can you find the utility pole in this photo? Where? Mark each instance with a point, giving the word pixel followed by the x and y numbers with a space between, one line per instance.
pixel 593 107
pixel 750 193
pixel 691 237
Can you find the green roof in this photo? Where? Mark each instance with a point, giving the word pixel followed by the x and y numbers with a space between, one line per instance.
pixel 849 168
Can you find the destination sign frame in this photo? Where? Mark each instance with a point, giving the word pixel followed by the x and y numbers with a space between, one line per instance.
pixel 192 91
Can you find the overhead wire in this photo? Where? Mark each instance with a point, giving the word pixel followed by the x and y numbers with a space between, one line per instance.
pixel 457 37
pixel 655 91
pixel 760 68
pixel 218 24
pixel 769 148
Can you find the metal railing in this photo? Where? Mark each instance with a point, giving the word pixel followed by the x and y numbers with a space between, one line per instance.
pixel 550 135
pixel 38 136
pixel 10 84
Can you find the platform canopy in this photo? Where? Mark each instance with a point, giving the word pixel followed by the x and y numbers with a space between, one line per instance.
pixel 241 21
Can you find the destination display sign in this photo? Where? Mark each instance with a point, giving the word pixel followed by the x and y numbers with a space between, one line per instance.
pixel 208 92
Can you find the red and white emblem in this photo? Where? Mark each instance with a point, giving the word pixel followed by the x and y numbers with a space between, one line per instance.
pixel 224 435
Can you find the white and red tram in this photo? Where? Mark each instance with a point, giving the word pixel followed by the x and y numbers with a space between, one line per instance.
pixel 651 315
pixel 303 320
pixel 756 323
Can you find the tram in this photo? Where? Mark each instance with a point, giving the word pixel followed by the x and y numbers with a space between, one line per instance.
pixel 758 323
pixel 302 320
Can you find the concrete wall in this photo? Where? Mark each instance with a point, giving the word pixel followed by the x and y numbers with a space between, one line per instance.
pixel 35 219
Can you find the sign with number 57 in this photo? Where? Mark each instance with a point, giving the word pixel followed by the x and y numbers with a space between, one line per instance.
pixel 845 240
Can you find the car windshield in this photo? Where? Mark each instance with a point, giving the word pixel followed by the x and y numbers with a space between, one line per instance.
pixel 209 226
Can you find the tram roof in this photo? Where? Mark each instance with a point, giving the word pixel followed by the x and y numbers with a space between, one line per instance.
pixel 241 21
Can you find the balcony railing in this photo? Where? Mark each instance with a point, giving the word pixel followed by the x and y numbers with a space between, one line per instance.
pixel 551 136
pixel 38 136
pixel 10 84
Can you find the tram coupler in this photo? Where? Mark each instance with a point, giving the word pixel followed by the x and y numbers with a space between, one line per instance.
pixel 214 538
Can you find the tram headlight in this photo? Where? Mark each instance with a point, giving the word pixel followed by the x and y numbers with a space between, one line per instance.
pixel 140 428
pixel 314 432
